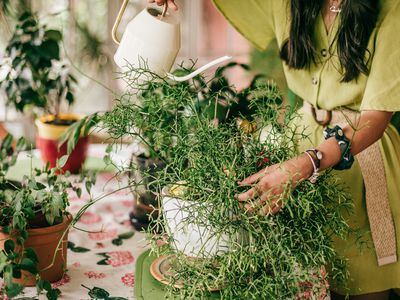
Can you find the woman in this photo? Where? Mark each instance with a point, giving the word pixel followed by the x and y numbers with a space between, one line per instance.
pixel 342 57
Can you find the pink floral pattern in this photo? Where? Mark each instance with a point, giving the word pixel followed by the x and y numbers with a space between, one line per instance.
pixel 95 275
pixel 66 279
pixel 108 234
pixel 128 279
pixel 119 258
pixel 90 218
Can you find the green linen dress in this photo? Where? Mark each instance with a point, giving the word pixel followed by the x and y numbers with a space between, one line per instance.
pixel 261 21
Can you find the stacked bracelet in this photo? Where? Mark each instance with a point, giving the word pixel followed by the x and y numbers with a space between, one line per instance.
pixel 347 158
pixel 315 156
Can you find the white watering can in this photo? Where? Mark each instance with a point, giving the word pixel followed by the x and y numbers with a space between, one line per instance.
pixel 153 37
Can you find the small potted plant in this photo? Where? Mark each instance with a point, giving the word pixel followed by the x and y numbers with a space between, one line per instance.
pixel 210 241
pixel 33 226
pixel 37 79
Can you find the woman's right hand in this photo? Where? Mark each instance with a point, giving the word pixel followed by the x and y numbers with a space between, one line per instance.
pixel 171 3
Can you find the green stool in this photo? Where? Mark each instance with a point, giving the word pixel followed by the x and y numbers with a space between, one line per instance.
pixel 146 287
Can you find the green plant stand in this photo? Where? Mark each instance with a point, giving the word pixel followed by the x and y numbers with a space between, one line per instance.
pixel 146 287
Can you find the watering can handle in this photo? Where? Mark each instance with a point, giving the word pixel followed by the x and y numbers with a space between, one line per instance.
pixel 119 17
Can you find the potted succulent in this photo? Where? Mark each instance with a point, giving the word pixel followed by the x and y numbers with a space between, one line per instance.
pixel 33 226
pixel 36 78
pixel 211 242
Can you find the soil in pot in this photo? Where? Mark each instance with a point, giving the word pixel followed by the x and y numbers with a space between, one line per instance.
pixel 50 129
pixel 61 122
pixel 44 242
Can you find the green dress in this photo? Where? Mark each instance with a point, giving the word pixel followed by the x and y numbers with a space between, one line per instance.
pixel 261 21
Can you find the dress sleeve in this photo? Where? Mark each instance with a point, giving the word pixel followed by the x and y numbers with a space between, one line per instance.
pixel 382 91
pixel 252 18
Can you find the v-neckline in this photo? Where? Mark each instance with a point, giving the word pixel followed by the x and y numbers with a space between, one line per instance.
pixel 328 37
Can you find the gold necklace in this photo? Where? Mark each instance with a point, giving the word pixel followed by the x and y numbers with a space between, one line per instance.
pixel 335 8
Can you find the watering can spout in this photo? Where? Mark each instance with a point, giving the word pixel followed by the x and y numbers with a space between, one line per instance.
pixel 199 70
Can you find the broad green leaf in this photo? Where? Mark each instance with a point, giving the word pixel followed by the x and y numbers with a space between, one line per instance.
pixel 13 289
pixel 126 235
pixel 117 242
pixel 62 161
pixel 98 293
pixel 9 246
pixel 109 148
pixel 53 294
pixel 21 144
pixel 88 186
pixel 79 249
pixel 39 186
pixel 31 254
pixel 7 142
pixel 78 192
pixel 74 138
pixel 28 265
pixel 53 35
pixel 103 262
pixel 107 159
pixel 16 272
pixel 3 260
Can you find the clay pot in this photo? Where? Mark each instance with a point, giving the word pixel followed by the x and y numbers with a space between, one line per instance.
pixel 145 203
pixel 44 242
pixel 47 141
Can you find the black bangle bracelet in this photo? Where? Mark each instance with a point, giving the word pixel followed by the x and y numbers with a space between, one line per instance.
pixel 347 158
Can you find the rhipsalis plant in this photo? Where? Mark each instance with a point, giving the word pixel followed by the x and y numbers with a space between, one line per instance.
pixel 283 256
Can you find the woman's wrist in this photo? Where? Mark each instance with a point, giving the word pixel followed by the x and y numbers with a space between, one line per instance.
pixel 302 168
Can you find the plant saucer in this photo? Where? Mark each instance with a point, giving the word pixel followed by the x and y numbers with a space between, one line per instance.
pixel 162 270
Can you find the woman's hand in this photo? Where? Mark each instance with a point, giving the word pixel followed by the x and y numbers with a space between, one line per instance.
pixel 270 185
pixel 171 3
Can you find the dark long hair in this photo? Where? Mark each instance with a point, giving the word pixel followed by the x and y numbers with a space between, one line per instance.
pixel 357 21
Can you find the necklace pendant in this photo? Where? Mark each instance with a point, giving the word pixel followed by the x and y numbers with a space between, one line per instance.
pixel 335 9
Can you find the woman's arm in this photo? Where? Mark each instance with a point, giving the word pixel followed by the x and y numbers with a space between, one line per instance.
pixel 271 182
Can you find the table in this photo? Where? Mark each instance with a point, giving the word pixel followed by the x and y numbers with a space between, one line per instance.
pixel 101 259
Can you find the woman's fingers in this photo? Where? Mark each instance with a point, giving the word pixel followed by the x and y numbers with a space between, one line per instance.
pixel 171 3
pixel 272 208
pixel 257 176
pixel 250 194
pixel 253 178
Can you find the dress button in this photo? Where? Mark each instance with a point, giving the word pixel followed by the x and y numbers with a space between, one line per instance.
pixel 324 52
pixel 314 81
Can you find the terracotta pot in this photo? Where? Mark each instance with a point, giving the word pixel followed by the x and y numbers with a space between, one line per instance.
pixel 145 203
pixel 44 242
pixel 47 141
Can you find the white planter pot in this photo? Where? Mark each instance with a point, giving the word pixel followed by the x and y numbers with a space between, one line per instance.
pixel 192 234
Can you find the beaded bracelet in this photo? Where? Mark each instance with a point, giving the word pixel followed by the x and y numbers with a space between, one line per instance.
pixel 347 158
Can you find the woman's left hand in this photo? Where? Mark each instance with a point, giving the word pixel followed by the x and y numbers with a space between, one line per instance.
pixel 270 185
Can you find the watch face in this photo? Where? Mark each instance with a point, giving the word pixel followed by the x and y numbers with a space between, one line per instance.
pixel 319 155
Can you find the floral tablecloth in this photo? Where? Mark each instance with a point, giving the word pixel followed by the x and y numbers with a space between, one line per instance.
pixel 103 249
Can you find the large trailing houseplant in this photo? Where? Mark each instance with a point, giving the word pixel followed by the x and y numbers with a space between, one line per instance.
pixel 36 78
pixel 285 256
pixel 34 225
